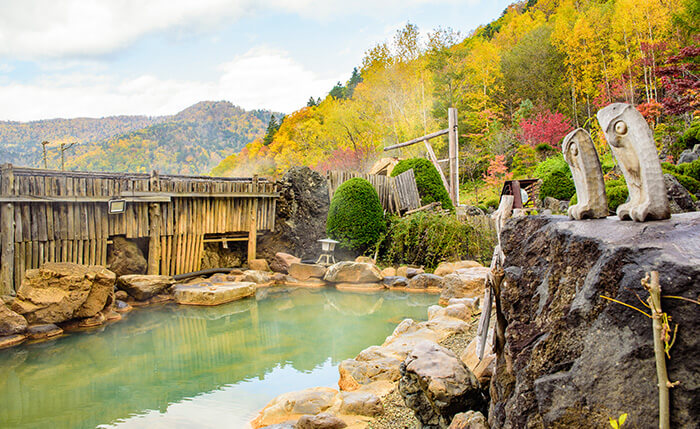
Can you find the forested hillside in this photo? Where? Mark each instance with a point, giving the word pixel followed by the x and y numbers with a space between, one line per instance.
pixel 190 142
pixel 519 83
pixel 20 142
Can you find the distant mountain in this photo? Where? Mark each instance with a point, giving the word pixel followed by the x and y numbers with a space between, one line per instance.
pixel 190 142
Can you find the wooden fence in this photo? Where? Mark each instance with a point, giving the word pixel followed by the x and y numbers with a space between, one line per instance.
pixel 54 216
pixel 397 194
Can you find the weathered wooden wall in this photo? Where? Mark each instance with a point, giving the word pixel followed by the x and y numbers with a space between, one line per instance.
pixel 58 216
pixel 396 194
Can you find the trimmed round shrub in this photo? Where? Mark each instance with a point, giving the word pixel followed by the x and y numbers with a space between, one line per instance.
pixel 355 217
pixel 428 182
pixel 557 184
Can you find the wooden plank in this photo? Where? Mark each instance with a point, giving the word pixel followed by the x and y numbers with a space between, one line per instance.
pixel 253 227
pixel 433 159
pixel 154 252
pixel 7 233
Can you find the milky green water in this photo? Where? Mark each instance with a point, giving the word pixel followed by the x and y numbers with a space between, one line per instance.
pixel 182 367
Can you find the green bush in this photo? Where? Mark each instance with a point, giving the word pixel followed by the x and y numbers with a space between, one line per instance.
pixel 427 239
pixel 557 184
pixel 616 191
pixel 667 167
pixel 691 169
pixel 692 185
pixel 428 181
pixel 691 136
pixel 607 162
pixel 555 163
pixel 355 217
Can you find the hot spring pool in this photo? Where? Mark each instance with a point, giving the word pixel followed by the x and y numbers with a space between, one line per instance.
pixel 182 367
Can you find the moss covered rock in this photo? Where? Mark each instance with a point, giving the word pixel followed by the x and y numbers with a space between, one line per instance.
pixel 356 217
pixel 428 181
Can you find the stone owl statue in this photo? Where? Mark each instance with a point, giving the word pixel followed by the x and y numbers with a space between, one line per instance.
pixel 633 146
pixel 582 158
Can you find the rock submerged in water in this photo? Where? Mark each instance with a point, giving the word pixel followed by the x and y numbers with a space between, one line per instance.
pixel 60 291
pixel 212 295
pixel 577 358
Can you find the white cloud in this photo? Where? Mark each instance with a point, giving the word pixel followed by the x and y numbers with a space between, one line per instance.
pixel 261 78
pixel 32 29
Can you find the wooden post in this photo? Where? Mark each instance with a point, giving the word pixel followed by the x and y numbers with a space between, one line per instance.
pixel 7 233
pixel 453 151
pixel 253 225
pixel 154 228
pixel 517 199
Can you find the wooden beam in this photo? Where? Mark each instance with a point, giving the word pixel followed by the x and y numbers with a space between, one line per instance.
pixel 453 151
pixel 154 239
pixel 433 159
pixel 7 234
pixel 419 139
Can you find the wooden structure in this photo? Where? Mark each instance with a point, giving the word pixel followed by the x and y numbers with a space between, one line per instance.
pixel 397 194
pixel 451 182
pixel 514 188
pixel 55 216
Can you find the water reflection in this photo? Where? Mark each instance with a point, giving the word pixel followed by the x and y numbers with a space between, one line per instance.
pixel 161 356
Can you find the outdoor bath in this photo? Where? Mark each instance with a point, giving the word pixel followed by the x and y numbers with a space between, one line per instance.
pixel 183 366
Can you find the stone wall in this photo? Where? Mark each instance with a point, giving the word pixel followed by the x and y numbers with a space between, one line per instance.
pixel 574 359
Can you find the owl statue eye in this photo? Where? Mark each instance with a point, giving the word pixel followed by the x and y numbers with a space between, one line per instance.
pixel 574 150
pixel 621 127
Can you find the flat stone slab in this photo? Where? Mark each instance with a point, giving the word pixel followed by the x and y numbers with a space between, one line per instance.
pixel 215 294
pixel 11 340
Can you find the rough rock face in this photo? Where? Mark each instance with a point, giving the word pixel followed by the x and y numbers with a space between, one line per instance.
pixel 572 358
pixel 469 420
pixel 143 287
pixel 320 421
pixel 353 272
pixel 464 283
pixel 436 385
pixel 678 197
pixel 301 211
pixel 425 281
pixel 10 322
pixel 689 155
pixel 60 291
pixel 126 258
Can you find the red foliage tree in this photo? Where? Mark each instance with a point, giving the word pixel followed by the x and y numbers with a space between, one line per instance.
pixel 545 127
pixel 497 172
pixel 651 111
pixel 679 78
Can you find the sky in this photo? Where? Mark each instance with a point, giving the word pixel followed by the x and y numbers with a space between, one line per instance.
pixel 94 58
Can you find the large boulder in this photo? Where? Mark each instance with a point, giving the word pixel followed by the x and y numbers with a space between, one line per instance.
pixel 689 155
pixel 282 262
pixel 126 258
pixel 572 358
pixel 678 197
pixel 301 212
pixel 445 268
pixel 425 281
pixel 469 420
pixel 60 291
pixel 143 287
pixel 464 283
pixel 353 272
pixel 436 385
pixel 306 271
pixel 212 295
pixel 10 322
pixel 320 421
